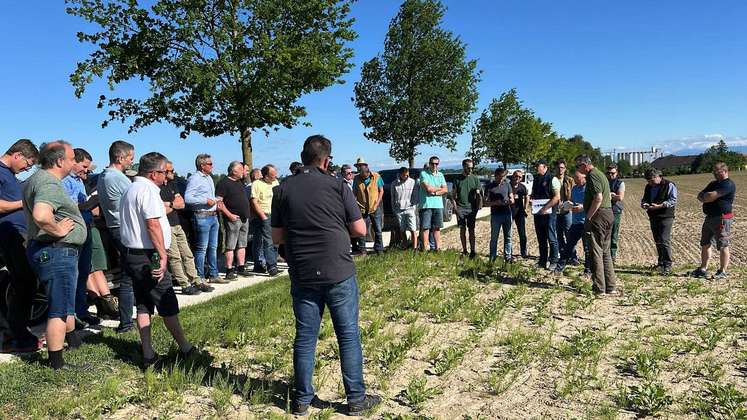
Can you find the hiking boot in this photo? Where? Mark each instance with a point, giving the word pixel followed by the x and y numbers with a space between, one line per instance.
pixel 218 280
pixel 720 275
pixel 191 291
pixel 299 409
pixel 699 273
pixel 204 287
pixel 231 275
pixel 368 402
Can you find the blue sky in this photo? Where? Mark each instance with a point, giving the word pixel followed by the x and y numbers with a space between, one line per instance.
pixel 623 74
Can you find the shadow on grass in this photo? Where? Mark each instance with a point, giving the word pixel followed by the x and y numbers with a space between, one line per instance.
pixel 496 275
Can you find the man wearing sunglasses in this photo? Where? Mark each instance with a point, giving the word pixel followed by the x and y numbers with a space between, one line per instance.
pixel 14 337
pixel 617 188
pixel 432 188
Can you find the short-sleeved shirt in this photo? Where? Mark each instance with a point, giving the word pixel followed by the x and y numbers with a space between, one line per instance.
pixel 428 201
pixel 495 191
pixel 168 194
pixel 234 197
pixel 723 204
pixel 578 192
pixel 112 184
pixel 596 183
pixel 43 187
pixel 141 202
pixel 10 190
pixel 315 210
pixel 464 185
pixel 76 190
pixel 520 197
pixel 262 191
pixel 379 183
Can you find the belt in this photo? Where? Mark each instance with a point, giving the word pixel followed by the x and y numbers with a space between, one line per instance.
pixel 62 245
pixel 205 213
pixel 135 251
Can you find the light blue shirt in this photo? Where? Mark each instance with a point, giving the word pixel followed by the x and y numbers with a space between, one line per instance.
pixel 200 187
pixel 428 201
pixel 76 190
pixel 577 197
pixel 111 185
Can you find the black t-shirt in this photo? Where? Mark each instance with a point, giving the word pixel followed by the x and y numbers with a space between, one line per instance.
pixel 234 197
pixel 168 192
pixel 495 191
pixel 722 205
pixel 520 200
pixel 315 210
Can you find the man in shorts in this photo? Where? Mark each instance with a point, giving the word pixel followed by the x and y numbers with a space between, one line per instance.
pixel 234 207
pixel 467 203
pixel 146 235
pixel 717 198
pixel 432 188
pixel 404 201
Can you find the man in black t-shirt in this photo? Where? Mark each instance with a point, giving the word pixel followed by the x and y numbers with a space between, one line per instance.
pixel 519 209
pixel 181 260
pixel 314 215
pixel 717 198
pixel 234 206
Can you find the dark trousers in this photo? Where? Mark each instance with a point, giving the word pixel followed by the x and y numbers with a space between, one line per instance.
pixel 308 307
pixel 126 296
pixel 575 234
pixel 615 235
pixel 23 287
pixel 598 232
pixel 84 269
pixel 520 219
pixel 544 226
pixel 661 228
pixel 374 221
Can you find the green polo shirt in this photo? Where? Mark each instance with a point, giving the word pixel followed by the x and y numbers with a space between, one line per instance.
pixel 596 182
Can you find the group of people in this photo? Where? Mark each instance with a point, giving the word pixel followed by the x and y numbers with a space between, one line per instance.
pixel 63 228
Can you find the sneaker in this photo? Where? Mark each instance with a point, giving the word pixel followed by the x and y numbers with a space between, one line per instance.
pixel 259 269
pixel 559 268
pixel 218 280
pixel 299 409
pixel 720 275
pixel 204 287
pixel 243 272
pixel 90 319
pixel 699 273
pixel 124 328
pixel 587 272
pixel 541 265
pixel 472 255
pixel 80 324
pixel 552 267
pixel 153 362
pixel 191 291
pixel 273 271
pixel 367 403
pixel 574 262
pixel 231 275
pixel 665 271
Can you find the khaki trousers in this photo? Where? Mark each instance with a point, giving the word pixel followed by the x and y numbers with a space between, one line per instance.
pixel 598 233
pixel 181 260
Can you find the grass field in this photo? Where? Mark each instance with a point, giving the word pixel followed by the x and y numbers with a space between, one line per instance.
pixel 442 338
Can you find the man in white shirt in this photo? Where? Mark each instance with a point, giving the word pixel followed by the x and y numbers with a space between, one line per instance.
pixel 146 234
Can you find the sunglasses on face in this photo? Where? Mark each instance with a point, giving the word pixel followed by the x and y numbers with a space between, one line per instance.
pixel 434 163
pixel 611 173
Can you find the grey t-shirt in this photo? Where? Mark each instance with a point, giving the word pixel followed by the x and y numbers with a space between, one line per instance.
pixel 111 185
pixel 43 187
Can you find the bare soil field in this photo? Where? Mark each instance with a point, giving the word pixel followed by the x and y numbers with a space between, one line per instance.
pixel 636 244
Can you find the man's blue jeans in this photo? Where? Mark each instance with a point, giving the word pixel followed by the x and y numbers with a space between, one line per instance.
pixel 575 234
pixel 57 270
pixel 544 226
pixel 563 226
pixel 262 245
pixel 84 269
pixel 498 222
pixel 206 230
pixel 377 220
pixel 308 307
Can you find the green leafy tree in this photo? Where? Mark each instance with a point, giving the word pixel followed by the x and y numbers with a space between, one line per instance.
pixel 494 131
pixel 421 89
pixel 214 66
pixel 624 168
pixel 719 153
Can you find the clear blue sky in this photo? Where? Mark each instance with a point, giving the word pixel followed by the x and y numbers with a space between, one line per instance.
pixel 629 73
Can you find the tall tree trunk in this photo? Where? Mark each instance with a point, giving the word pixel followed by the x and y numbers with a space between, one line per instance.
pixel 246 146
pixel 411 161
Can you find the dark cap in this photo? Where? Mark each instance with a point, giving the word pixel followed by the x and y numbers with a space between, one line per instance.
pixel 540 162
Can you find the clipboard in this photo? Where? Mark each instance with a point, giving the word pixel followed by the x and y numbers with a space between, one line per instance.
pixel 537 205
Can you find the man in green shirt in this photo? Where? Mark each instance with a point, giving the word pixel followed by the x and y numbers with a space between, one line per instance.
pixel 56 232
pixel 467 196
pixel 598 226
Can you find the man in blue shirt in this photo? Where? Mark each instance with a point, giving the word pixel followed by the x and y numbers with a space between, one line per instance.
pixel 200 198
pixel 14 337
pixel 432 188
pixel 76 190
